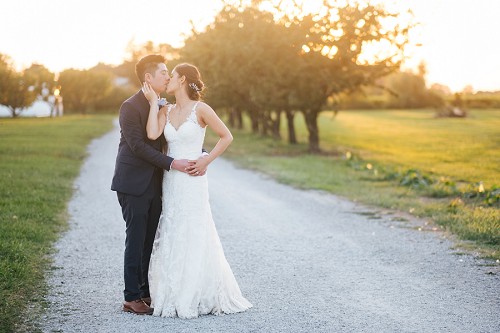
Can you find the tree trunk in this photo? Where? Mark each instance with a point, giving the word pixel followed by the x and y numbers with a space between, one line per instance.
pixel 254 120
pixel 311 117
pixel 254 117
pixel 292 137
pixel 231 119
pixel 239 119
pixel 13 112
pixel 276 124
pixel 264 123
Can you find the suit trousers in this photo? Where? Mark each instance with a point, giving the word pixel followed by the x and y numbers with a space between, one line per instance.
pixel 141 215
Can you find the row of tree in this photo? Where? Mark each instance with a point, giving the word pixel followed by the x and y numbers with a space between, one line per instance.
pixel 266 59
pixel 95 89
pixel 398 90
pixel 278 60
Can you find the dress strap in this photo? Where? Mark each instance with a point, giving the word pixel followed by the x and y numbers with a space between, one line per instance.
pixel 193 116
pixel 170 106
pixel 194 106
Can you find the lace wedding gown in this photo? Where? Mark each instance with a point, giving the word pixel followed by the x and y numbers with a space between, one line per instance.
pixel 188 273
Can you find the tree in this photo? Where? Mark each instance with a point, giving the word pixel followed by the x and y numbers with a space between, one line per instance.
pixel 409 91
pixel 271 60
pixel 15 91
pixel 7 73
pixel 333 58
pixel 227 70
pixel 40 78
pixel 441 89
pixel 135 52
pixel 247 59
pixel 120 91
pixel 468 90
pixel 82 89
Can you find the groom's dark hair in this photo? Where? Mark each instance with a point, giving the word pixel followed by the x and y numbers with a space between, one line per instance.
pixel 148 64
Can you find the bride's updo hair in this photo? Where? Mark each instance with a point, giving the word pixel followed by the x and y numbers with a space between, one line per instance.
pixel 194 85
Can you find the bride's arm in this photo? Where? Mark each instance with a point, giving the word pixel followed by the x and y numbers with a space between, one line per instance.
pixel 157 117
pixel 212 120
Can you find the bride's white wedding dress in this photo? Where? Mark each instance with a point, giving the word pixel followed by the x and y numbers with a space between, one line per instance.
pixel 188 273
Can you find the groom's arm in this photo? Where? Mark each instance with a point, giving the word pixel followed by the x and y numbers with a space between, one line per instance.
pixel 130 124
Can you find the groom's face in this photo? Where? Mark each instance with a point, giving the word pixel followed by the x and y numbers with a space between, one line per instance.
pixel 159 79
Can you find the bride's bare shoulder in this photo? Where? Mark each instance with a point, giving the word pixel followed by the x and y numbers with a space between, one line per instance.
pixel 204 107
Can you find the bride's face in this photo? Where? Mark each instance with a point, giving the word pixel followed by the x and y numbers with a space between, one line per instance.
pixel 175 83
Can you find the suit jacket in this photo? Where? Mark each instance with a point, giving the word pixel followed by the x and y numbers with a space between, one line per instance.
pixel 138 156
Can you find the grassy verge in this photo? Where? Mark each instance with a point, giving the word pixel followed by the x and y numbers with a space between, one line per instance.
pixel 445 170
pixel 39 160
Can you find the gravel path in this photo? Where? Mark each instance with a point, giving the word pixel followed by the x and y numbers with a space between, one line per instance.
pixel 308 261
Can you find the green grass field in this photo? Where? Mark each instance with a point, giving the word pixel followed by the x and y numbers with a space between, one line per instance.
pixel 464 149
pixel 403 160
pixel 40 158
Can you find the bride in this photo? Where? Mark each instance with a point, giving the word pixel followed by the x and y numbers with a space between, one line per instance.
pixel 188 272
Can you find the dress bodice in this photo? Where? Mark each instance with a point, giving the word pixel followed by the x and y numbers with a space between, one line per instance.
pixel 185 142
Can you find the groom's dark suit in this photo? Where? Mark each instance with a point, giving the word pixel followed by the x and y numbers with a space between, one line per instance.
pixel 137 181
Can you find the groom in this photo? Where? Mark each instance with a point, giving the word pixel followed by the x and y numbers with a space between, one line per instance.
pixel 138 180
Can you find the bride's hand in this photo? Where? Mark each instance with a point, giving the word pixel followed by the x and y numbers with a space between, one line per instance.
pixel 198 167
pixel 149 93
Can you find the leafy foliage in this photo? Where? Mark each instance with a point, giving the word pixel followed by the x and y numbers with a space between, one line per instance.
pixel 15 90
pixel 82 89
pixel 265 62
pixel 40 78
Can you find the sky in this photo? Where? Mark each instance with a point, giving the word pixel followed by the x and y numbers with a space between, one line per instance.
pixel 459 41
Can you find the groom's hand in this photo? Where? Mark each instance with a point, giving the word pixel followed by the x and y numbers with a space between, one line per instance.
pixel 181 165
